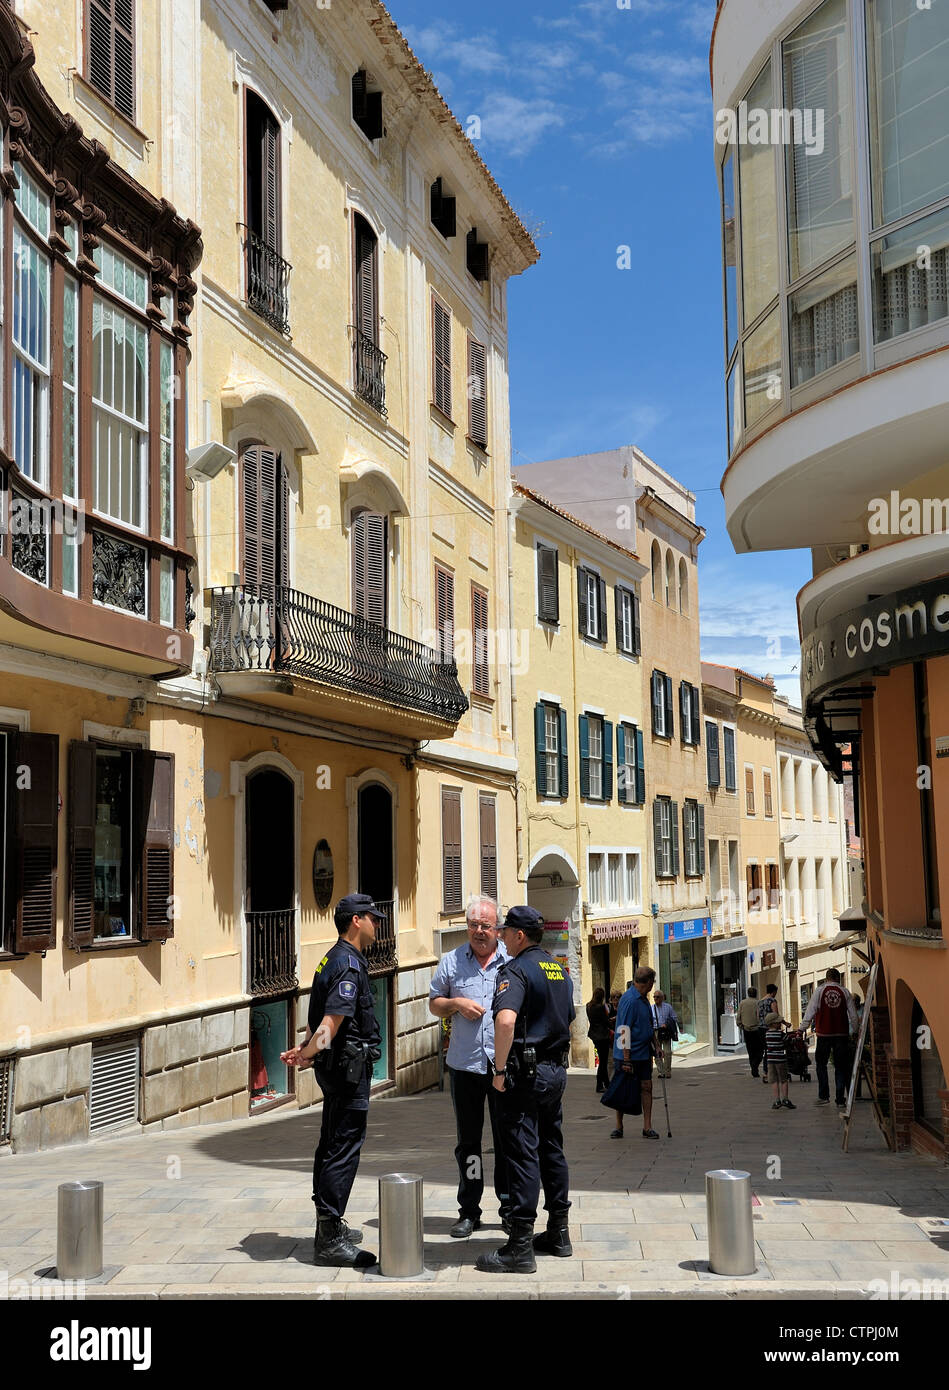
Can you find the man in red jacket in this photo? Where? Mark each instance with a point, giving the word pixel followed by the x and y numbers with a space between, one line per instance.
pixel 833 1017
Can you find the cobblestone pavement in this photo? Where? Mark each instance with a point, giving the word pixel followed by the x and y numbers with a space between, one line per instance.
pixel 225 1211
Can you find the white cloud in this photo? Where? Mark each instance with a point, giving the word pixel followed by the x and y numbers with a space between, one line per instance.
pixel 515 125
pixel 475 53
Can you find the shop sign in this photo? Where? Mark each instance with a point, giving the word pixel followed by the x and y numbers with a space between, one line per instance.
pixel 687 930
pixel 790 954
pixel 908 625
pixel 615 931
pixel 768 958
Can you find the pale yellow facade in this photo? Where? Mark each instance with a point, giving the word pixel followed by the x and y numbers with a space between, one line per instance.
pixel 581 844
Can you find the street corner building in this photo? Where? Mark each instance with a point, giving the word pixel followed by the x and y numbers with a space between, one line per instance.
pixel 836 264
pixel 255 620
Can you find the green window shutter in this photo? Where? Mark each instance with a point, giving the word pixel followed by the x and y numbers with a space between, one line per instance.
pixel 696 718
pixel 564 755
pixel 700 813
pixel 582 602
pixel 584 756
pixel 711 754
pixel 685 719
pixel 602 631
pixel 657 835
pixel 657 700
pixel 622 788
pixel 670 723
pixel 540 749
pixel 640 770
pixel 674 822
pixel 548 595
pixel 637 633
pixel 607 760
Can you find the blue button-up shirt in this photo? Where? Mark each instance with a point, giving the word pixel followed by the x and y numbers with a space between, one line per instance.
pixel 635 1013
pixel 459 975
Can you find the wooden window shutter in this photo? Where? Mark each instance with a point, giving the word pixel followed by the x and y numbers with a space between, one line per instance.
pixel 601 620
pixel 674 824
pixel 700 836
pixel 563 753
pixel 263 495
pixel 637 631
pixel 685 720
pixel 540 749
pixel 445 613
pixel 582 602
pixel 750 790
pixel 622 789
pixel 477 393
pixel 33 782
pixel 584 755
pixel 270 175
pixel 670 725
pixel 728 747
pixel 481 674
pixel 696 718
pixel 711 755
pixel 283 526
pixel 156 888
pixel 81 791
pixel 366 280
pixel 369 554
pixel 451 850
pixel 268 498
pixel 441 357
pixel 110 52
pixel 607 760
pixel 548 591
pixel 657 843
pixel 250 508
pixel 487 816
pixel 688 842
pixel 640 770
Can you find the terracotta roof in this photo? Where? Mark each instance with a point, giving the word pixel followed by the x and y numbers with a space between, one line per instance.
pixel 574 520
pixel 762 680
pixel 388 33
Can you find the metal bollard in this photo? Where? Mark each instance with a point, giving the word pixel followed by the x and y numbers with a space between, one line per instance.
pixel 400 1225
pixel 731 1235
pixel 79 1230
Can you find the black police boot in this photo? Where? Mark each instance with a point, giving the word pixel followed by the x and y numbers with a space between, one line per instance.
pixel 334 1247
pixel 517 1257
pixel 555 1240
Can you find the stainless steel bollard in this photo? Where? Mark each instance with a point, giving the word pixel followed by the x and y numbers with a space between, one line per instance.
pixel 731 1233
pixel 400 1225
pixel 79 1230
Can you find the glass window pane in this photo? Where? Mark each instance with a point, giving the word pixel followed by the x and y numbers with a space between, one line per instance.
pixel 734 404
pixel 730 254
pixel 824 322
pixel 817 84
pixel 762 369
pixel 166 591
pixel 910 275
pixel 758 213
pixel 908 60
pixel 113 830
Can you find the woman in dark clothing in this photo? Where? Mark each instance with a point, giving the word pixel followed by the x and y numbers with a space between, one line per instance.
pixel 599 1034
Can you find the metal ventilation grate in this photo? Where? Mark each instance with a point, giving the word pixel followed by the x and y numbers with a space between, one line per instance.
pixel 6 1098
pixel 113 1097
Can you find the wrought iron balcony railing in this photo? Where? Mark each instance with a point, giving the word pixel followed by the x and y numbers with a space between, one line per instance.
pixel 283 630
pixel 382 954
pixel 272 948
pixel 369 371
pixel 267 281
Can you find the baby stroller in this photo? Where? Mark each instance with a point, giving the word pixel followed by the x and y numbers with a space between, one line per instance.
pixel 795 1050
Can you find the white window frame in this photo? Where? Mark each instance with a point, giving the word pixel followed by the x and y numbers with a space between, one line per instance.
pixel 593 604
pixel 552 710
pixel 599 880
pixel 595 722
pixel 665 835
pixel 659 682
pixel 627 619
pixel 687 731
pixel 634 862
pixel 691 838
pixel 628 769
pixel 140 428
pixel 37 466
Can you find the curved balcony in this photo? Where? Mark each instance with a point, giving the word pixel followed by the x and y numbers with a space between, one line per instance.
pixel 296 652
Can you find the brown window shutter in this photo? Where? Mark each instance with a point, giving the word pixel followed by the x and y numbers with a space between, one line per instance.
pixel 751 887
pixel 270 172
pixel 81 791
pixel 481 676
pixel 34 797
pixel 262 493
pixel 750 790
pixel 110 52
pixel 477 393
pixel 366 279
pixel 156 801
pixel 250 506
pixel 487 815
pixel 451 850
pixel 368 546
pixel 445 613
pixel 283 528
pixel 441 352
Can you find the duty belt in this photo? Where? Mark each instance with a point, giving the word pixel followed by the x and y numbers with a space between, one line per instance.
pixel 557 1055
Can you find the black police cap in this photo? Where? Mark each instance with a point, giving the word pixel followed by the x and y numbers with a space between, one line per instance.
pixel 523 918
pixel 357 905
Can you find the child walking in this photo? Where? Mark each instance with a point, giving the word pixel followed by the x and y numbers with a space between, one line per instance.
pixel 776 1060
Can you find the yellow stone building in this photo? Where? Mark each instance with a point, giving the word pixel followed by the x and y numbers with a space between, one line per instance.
pixel 286 668
pixel 581 831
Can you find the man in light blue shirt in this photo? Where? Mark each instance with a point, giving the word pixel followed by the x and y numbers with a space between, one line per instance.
pixel 462 989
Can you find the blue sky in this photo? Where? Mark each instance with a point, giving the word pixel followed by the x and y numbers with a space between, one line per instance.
pixel 598 124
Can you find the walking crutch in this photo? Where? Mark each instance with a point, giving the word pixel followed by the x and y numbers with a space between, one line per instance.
pixel 662 1074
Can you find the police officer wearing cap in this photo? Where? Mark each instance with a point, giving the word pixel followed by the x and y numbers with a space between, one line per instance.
pixel 533 1011
pixel 342 1043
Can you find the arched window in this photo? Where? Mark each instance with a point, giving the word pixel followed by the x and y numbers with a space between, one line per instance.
pixel 656 570
pixel 670 580
pixel 683 587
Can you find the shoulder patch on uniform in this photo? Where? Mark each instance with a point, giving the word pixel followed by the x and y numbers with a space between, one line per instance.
pixel 347 989
pixel 353 963
pixel 502 986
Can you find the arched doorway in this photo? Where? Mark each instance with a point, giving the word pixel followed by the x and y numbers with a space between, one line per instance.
pixel 927 1073
pixel 270 915
pixel 553 889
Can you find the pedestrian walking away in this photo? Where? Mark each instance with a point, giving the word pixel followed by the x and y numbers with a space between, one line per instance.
pixel 462 989
pixel 341 1043
pixel 751 1029
pixel 533 1011
pixel 776 1058
pixel 599 1034
pixel 832 1015
pixel 666 1028
pixel 633 1045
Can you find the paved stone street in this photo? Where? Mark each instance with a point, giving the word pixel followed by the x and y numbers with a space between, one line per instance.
pixel 224 1211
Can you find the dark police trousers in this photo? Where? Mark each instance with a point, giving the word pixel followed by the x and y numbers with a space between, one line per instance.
pixel 529 1118
pixel 345 1115
pixel 469 1089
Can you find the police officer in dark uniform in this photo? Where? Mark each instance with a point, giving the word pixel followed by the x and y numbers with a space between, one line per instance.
pixel 342 1043
pixel 533 1011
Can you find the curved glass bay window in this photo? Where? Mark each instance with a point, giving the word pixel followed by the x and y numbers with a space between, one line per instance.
pixel 864 232
pixel 94 353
